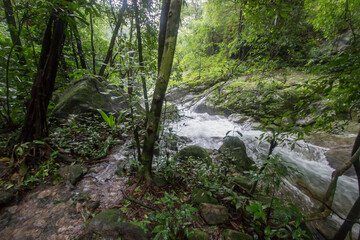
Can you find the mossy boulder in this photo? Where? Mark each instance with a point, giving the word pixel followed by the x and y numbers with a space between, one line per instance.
pixel 6 197
pixel 87 95
pixel 199 196
pixel 235 149
pixel 195 152
pixel 72 174
pixel 229 234
pixel 199 235
pixel 111 225
pixel 214 214
pixel 243 181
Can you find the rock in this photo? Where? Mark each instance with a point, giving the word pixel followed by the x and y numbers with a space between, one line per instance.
pixel 110 223
pixel 199 235
pixel 72 174
pixel 238 118
pixel 234 148
pixel 159 181
pixel 214 214
pixel 93 205
pixel 243 181
pixel 6 197
pixel 229 234
pixel 199 196
pixel 195 152
pixel 89 94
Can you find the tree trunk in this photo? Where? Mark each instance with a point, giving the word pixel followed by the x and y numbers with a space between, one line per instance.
pixel 113 39
pixel 172 26
pixel 35 124
pixel 93 53
pixel 141 59
pixel 79 47
pixel 354 213
pixel 163 19
pixel 15 36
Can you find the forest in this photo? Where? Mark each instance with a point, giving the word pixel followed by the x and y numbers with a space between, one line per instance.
pixel 180 119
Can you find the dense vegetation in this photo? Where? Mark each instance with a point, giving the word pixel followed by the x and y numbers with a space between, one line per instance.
pixel 292 65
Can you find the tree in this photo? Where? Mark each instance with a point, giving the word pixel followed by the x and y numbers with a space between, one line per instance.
pixel 172 26
pixel 35 124
pixel 15 36
pixel 113 38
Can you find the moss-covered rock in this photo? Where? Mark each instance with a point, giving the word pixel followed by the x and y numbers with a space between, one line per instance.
pixel 235 149
pixel 195 152
pixel 199 196
pixel 72 174
pixel 6 197
pixel 199 235
pixel 111 225
pixel 87 95
pixel 214 214
pixel 229 234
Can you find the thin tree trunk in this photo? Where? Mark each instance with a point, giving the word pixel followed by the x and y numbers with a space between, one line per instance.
pixel 35 124
pixel 113 39
pixel 15 36
pixel 163 18
pixel 141 59
pixel 93 53
pixel 79 47
pixel 162 81
pixel 74 50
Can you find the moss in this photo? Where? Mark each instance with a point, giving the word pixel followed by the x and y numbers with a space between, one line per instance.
pixel 199 196
pixel 195 152
pixel 229 234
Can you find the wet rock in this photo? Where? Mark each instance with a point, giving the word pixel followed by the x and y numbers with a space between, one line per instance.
pixel 87 95
pixel 214 214
pixel 110 224
pixel 195 152
pixel 235 149
pixel 72 174
pixel 199 196
pixel 6 197
pixel 229 234
pixel 159 181
pixel 199 235
pixel 238 118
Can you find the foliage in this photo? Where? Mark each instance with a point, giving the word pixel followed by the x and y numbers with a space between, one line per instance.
pixel 172 220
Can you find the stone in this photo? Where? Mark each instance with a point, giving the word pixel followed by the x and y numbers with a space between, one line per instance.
pixel 235 149
pixel 89 94
pixel 194 151
pixel 92 205
pixel 111 223
pixel 214 214
pixel 199 196
pixel 199 235
pixel 6 198
pixel 243 181
pixel 229 234
pixel 238 118
pixel 72 174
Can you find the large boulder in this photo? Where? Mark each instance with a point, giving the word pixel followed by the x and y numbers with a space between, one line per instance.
pixel 72 173
pixel 195 152
pixel 199 235
pixel 235 149
pixel 87 95
pixel 111 224
pixel 214 214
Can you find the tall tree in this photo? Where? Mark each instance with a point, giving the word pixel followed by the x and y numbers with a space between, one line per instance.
pixel 141 58
pixel 14 33
pixel 79 46
pixel 113 38
pixel 35 124
pixel 163 25
pixel 93 53
pixel 172 26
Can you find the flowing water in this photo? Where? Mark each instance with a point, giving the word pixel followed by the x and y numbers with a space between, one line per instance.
pixel 208 131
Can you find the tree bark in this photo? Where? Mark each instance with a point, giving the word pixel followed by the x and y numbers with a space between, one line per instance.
pixel 141 59
pixel 354 213
pixel 163 20
pixel 35 124
pixel 113 38
pixel 162 81
pixel 79 47
pixel 15 36
pixel 93 53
